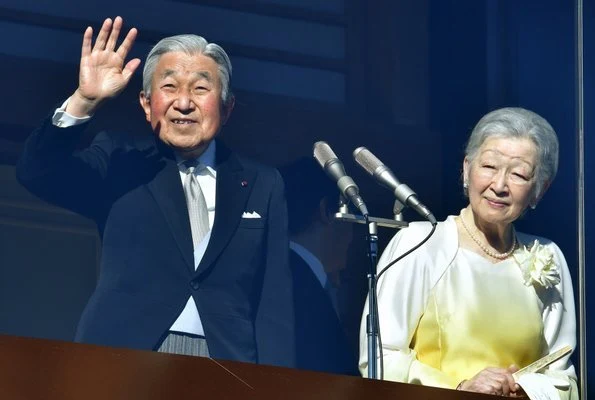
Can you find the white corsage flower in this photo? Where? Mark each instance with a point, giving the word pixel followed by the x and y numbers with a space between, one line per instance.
pixel 537 265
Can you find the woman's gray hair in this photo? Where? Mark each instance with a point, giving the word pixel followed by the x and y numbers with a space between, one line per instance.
pixel 520 123
pixel 190 44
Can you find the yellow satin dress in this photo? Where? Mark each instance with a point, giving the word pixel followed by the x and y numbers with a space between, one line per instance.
pixel 479 315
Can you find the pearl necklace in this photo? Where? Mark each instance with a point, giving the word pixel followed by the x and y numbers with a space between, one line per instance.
pixel 489 252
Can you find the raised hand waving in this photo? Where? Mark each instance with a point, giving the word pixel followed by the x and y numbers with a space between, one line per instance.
pixel 103 74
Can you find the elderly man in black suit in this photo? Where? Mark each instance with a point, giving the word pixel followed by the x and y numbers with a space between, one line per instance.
pixel 319 246
pixel 194 236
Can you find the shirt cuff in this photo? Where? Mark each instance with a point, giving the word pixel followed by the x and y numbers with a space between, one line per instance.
pixel 64 120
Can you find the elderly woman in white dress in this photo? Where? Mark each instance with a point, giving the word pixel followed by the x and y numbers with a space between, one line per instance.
pixel 479 300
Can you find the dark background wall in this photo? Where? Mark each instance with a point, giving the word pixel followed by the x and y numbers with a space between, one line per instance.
pixel 407 79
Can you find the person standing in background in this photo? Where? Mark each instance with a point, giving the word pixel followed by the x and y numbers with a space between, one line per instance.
pixel 318 253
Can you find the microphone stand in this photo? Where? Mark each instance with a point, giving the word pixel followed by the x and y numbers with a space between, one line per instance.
pixel 372 240
pixel 398 210
pixel 372 317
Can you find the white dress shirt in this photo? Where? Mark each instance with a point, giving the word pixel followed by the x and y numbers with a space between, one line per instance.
pixel 318 270
pixel 313 262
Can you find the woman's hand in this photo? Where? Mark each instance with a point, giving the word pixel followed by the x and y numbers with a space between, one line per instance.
pixel 493 380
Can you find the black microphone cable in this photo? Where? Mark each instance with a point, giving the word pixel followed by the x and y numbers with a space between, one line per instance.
pixel 375 294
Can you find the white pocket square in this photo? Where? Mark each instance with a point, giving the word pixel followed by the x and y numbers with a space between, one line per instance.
pixel 252 214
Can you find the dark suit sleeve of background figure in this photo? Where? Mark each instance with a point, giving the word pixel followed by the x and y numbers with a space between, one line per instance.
pixel 275 316
pixel 53 170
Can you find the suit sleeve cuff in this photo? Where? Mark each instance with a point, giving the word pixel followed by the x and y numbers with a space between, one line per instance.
pixel 64 120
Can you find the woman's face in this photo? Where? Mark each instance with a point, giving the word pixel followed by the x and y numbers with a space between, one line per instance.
pixel 501 179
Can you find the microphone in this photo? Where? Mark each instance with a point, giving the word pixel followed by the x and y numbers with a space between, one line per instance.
pixel 334 168
pixel 384 176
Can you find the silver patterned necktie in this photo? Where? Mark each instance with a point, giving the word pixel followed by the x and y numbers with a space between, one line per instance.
pixel 197 206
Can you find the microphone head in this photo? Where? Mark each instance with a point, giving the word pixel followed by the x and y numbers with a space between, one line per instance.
pixel 323 153
pixel 328 160
pixel 367 160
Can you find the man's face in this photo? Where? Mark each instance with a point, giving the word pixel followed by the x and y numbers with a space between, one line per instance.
pixel 185 108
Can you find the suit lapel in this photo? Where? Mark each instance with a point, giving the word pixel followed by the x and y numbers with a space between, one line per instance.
pixel 167 190
pixel 234 185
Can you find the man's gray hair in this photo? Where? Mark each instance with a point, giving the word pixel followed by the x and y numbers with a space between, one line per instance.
pixel 512 122
pixel 190 44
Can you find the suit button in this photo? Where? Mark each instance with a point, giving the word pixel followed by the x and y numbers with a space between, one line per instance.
pixel 194 284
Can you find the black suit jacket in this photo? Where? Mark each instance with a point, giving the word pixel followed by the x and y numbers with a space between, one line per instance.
pixel 321 342
pixel 132 188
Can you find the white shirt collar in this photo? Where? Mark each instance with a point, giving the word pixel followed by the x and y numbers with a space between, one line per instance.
pixel 310 259
pixel 207 158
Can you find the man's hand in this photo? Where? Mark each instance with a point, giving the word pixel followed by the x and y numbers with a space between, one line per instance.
pixel 102 74
pixel 498 381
